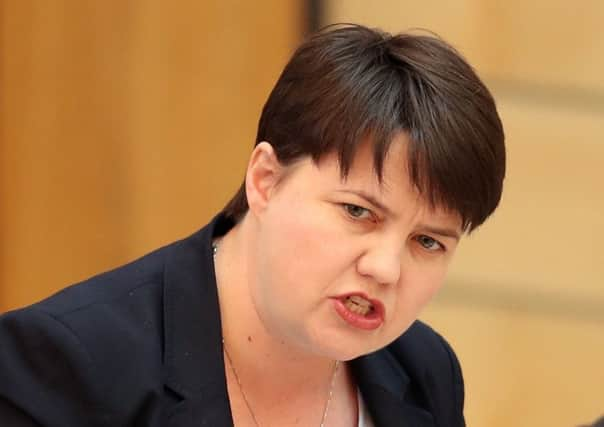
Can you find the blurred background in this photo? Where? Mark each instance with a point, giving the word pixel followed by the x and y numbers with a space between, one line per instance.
pixel 125 125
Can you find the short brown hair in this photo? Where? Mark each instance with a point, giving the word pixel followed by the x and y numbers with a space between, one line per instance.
pixel 348 83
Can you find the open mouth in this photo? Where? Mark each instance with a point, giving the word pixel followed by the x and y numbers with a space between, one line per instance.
pixel 360 311
pixel 359 305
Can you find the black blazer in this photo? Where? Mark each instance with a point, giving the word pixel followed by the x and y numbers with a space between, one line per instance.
pixel 141 346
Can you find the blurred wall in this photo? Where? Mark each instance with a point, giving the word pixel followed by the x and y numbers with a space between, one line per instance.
pixel 124 125
pixel 524 303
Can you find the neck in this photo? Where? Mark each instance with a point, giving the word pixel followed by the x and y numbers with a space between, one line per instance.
pixel 254 350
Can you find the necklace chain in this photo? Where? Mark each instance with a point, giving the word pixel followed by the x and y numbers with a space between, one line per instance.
pixel 247 402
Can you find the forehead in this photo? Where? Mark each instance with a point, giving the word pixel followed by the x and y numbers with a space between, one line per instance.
pixel 363 170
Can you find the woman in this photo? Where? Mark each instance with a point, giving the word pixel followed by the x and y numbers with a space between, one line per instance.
pixel 296 305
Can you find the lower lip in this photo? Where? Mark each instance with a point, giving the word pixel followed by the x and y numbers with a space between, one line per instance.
pixel 369 322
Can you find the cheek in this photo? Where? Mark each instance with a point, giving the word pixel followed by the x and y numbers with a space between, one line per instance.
pixel 416 292
pixel 306 246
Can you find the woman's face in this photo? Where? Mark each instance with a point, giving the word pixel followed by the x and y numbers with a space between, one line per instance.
pixel 343 267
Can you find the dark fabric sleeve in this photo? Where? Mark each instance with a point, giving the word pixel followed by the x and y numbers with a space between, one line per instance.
pixel 435 370
pixel 458 385
pixel 46 375
pixel 12 416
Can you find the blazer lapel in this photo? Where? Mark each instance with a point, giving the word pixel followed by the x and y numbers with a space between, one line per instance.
pixel 388 392
pixel 193 358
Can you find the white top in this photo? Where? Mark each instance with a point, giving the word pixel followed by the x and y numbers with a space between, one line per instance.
pixel 364 417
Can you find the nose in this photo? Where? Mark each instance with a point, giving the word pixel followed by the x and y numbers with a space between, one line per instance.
pixel 382 262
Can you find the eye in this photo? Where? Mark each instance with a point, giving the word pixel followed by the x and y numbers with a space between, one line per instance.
pixel 357 212
pixel 429 243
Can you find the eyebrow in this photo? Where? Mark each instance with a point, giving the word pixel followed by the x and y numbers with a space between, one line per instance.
pixel 369 198
pixel 446 232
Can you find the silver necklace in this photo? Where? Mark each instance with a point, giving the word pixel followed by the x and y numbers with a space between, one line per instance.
pixel 249 407
pixel 245 399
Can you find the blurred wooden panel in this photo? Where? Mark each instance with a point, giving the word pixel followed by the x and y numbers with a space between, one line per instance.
pixel 524 369
pixel 124 125
pixel 548 42
pixel 63 123
pixel 547 236
pixel 199 78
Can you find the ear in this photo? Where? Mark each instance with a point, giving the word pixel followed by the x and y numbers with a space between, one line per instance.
pixel 262 176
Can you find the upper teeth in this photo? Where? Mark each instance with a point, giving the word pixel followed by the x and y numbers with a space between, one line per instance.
pixel 358 304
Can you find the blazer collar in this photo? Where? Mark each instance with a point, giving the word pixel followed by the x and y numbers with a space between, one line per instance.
pixel 193 356
pixel 388 391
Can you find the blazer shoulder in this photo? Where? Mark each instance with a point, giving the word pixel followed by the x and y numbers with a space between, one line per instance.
pixel 45 370
pixel 88 354
pixel 433 365
pixel 114 284
pixel 107 286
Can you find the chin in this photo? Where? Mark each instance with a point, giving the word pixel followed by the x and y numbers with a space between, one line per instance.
pixel 344 350
pixel 340 343
pixel 346 356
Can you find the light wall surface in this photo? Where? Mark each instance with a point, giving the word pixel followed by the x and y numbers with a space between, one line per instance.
pixel 524 303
